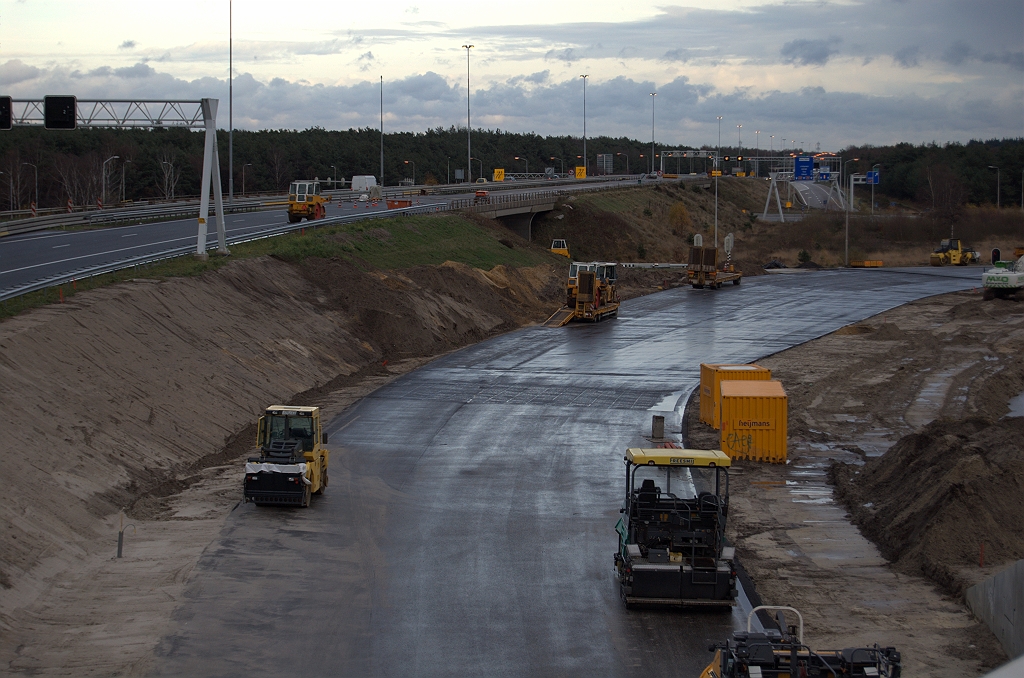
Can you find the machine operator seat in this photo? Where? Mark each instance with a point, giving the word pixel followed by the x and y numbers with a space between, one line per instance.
pixel 647 496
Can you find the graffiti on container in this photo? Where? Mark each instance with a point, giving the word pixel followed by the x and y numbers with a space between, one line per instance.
pixel 739 443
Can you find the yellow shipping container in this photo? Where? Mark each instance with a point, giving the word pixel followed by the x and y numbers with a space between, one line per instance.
pixel 754 420
pixel 711 376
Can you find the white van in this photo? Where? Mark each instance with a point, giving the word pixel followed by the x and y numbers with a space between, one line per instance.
pixel 363 182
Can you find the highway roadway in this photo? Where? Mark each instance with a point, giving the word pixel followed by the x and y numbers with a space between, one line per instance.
pixel 44 254
pixel 468 528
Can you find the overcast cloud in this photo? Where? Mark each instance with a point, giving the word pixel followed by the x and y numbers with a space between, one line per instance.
pixel 873 71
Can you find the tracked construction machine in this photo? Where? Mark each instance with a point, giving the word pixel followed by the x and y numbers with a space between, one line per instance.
pixel 672 548
pixel 304 200
pixel 590 293
pixel 779 654
pixel 292 461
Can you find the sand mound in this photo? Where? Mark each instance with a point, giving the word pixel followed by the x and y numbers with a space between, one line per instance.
pixel 938 494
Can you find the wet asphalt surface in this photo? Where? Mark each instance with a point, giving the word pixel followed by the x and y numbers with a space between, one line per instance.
pixel 469 525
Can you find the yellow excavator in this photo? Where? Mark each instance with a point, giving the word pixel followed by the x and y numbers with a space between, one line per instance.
pixel 590 293
pixel 304 200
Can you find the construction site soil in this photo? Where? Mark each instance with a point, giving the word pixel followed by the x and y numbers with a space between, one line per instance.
pixel 133 404
pixel 906 414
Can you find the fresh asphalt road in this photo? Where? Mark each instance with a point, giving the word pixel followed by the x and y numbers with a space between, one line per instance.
pixel 468 529
pixel 44 254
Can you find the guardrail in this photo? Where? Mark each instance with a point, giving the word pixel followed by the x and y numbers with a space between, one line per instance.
pixel 532 197
pixel 129 262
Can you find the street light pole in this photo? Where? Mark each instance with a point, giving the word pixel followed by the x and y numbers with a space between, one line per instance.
pixel 562 168
pixel 873 192
pixel 481 166
pixel 739 142
pixel 410 162
pixel 103 194
pixel 627 161
pixel 334 176
pixel 849 203
pixel 528 162
pixel 771 150
pixel 469 126
pixel 248 164
pixel 997 184
pixel 584 77
pixel 231 106
pixel 718 155
pixel 124 195
pixel 757 149
pixel 653 94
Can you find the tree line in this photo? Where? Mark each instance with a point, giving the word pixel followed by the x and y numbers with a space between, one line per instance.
pixel 163 164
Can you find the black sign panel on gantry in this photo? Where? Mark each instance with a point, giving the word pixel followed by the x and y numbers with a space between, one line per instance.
pixel 5 112
pixel 60 112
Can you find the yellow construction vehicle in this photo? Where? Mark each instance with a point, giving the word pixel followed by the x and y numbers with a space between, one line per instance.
pixel 703 271
pixel 589 294
pixel 304 200
pixel 559 247
pixel 952 251
pixel 292 461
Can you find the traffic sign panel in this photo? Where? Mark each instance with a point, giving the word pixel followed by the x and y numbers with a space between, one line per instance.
pixel 499 175
pixel 581 172
pixel 803 168
pixel 871 178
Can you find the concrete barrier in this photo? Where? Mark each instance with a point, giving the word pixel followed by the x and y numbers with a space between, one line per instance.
pixel 999 602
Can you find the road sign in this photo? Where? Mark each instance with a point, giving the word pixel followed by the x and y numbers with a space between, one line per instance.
pixel 499 175
pixel 581 172
pixel 716 173
pixel 60 112
pixel 824 175
pixel 803 168
pixel 5 112
pixel 871 178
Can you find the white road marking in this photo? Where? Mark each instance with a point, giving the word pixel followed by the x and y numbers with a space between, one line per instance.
pixel 129 235
pixel 64 245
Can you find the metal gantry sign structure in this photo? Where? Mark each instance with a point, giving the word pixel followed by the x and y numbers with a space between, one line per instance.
pixel 68 113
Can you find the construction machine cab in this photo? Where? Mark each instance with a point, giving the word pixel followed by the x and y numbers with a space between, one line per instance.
pixel 559 246
pixel 672 530
pixel 292 461
pixel 303 191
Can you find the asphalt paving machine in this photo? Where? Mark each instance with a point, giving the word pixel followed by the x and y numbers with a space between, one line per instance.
pixel 778 653
pixel 672 548
pixel 590 293
pixel 304 200
pixel 292 461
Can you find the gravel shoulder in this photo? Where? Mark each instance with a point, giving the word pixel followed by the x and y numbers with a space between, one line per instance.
pixel 852 395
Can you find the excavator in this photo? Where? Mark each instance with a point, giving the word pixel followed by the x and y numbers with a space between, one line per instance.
pixel 590 294
pixel 775 653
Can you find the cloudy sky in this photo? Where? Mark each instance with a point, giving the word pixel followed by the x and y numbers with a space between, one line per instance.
pixel 834 73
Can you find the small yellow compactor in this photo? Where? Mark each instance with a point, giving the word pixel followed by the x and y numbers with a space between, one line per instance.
pixel 292 461
pixel 304 200
pixel 590 293
pixel 952 252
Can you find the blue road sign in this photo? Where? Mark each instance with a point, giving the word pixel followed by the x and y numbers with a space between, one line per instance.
pixel 803 168
pixel 871 178
pixel 824 175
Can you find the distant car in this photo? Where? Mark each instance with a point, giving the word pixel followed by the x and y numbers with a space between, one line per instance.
pixel 481 180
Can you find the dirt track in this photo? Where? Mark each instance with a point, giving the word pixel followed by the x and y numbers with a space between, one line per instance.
pixel 852 395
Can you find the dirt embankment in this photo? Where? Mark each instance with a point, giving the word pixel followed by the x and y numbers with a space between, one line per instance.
pixel 869 393
pixel 129 395
pixel 964 505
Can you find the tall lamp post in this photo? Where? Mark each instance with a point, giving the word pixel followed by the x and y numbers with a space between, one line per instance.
pixel 873 191
pixel 757 149
pixel 717 156
pixel 469 126
pixel 849 203
pixel 627 161
pixel 248 164
pixel 334 176
pixel 528 163
pixel 103 194
pixel 124 195
pixel 584 78
pixel 481 166
pixel 653 94
pixel 739 142
pixel 771 143
pixel 231 107
pixel 562 169
pixel 997 184
pixel 37 182
pixel 411 162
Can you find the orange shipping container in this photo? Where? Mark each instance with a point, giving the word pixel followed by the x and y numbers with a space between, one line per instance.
pixel 754 420
pixel 711 377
